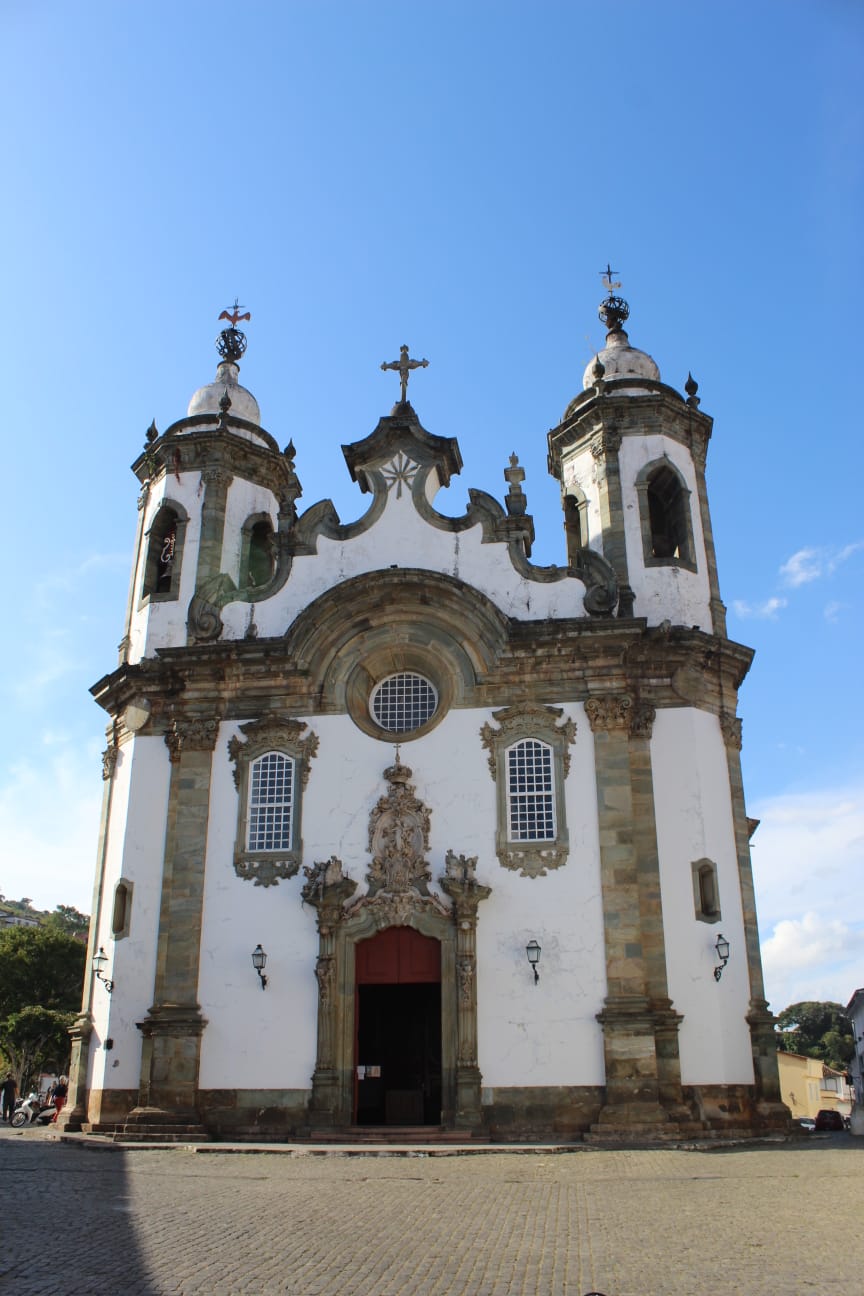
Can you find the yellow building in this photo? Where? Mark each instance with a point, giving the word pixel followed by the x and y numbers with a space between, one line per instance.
pixel 808 1086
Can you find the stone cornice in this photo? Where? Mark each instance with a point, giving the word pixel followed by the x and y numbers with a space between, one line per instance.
pixel 597 422
pixel 217 448
pixel 540 662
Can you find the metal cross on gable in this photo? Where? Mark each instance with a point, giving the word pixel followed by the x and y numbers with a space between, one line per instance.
pixel 404 365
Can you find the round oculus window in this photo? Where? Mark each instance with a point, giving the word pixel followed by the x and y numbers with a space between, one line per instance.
pixel 403 702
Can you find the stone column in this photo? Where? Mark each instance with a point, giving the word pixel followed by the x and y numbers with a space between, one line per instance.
pixel 327 890
pixel 627 1018
pixel 666 1020
pixel 699 446
pixel 760 1020
pixel 604 448
pixel 466 894
pixel 75 1113
pixel 173 1026
pixel 216 482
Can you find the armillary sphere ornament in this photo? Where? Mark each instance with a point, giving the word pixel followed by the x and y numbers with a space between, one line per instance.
pixel 231 343
pixel 613 311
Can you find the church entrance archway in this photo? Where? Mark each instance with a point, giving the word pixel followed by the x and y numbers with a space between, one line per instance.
pixel 398 1069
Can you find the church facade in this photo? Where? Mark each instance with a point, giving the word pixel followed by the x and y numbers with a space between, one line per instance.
pixel 401 829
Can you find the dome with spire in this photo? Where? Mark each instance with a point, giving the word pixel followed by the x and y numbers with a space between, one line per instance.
pixel 620 360
pixel 231 344
pixel 243 403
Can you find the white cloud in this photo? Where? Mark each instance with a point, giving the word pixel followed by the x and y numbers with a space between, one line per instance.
pixel 812 958
pixel 808 864
pixel 807 565
pixel 832 611
pixel 766 611
pixel 803 566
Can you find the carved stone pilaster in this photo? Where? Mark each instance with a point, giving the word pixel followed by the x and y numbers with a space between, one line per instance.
pixel 606 442
pixel 459 882
pixel 642 717
pixel 109 760
pixel 191 734
pixel 730 727
pixel 609 713
pixel 216 479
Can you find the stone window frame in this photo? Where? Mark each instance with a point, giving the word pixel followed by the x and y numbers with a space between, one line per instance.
pixel 687 560
pixel 575 506
pixel 121 909
pixel 543 724
pixel 706 891
pixel 283 737
pixel 156 538
pixel 399 659
pixel 246 532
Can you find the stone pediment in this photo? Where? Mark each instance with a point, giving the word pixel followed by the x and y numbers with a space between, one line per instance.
pixel 400 437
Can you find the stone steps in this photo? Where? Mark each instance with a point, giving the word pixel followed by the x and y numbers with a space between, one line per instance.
pixel 389 1134
pixel 160 1134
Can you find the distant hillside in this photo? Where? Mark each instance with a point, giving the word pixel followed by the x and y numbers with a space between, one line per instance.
pixel 20 913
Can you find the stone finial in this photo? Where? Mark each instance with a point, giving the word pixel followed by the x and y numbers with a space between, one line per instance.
pixel 151 434
pixel 516 499
pixel 691 387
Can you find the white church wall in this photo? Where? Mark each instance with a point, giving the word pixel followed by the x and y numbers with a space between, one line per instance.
pixel 694 821
pixel 254 1039
pixel 547 1034
pixel 402 538
pixel 135 852
pixel 529 1035
pixel 663 593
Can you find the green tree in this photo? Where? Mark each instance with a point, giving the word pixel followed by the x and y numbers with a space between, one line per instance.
pixel 41 973
pixel 818 1030
pixel 69 919
pixel 35 1040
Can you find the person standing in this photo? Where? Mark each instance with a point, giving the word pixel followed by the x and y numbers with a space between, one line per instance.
pixel 8 1091
pixel 60 1091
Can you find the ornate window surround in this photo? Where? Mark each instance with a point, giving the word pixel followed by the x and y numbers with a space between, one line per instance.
pixel 687 559
pixel 545 724
pixel 149 593
pixel 284 736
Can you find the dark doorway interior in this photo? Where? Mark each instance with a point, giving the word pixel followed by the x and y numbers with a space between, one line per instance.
pixel 398 1054
pixel 400 1037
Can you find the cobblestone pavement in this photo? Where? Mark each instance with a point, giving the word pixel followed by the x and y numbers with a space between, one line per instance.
pixel 752 1220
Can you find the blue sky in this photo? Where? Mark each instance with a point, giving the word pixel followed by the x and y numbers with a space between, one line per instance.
pixel 453 176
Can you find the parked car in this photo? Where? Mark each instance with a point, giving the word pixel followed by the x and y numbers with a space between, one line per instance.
pixel 807 1123
pixel 829 1120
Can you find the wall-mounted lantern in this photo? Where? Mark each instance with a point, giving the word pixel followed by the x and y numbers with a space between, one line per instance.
pixel 100 961
pixel 721 949
pixel 259 962
pixel 532 949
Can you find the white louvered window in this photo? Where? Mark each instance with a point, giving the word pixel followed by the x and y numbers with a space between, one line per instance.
pixel 530 792
pixel 404 702
pixel 271 801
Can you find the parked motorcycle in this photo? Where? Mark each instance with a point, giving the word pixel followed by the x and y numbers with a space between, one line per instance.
pixel 32 1111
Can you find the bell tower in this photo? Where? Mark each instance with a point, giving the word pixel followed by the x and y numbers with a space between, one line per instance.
pixel 630 454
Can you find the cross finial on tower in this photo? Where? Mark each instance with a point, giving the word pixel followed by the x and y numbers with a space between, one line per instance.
pixel 404 365
pixel 606 276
